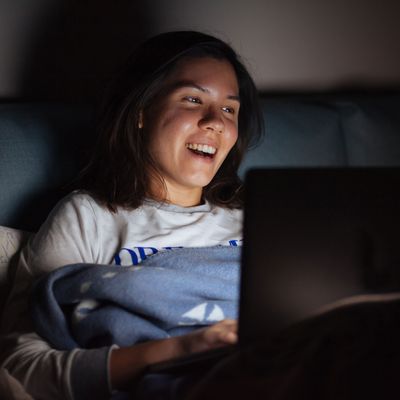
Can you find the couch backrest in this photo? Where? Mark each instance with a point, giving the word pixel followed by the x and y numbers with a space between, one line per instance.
pixel 329 130
pixel 42 146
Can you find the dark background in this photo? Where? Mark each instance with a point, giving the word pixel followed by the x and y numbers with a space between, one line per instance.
pixel 68 49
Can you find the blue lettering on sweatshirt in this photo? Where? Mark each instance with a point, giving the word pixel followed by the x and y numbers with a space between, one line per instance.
pixel 135 255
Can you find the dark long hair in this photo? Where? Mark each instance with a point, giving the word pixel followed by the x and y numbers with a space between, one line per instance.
pixel 121 165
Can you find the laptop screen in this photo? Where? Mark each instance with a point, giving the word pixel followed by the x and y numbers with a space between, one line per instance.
pixel 313 237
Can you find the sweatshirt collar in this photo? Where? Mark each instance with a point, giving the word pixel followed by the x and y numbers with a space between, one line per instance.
pixel 205 207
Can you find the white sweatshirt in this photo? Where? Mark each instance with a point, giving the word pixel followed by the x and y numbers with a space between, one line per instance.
pixel 81 230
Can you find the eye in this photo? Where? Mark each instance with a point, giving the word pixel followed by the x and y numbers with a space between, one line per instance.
pixel 192 99
pixel 229 110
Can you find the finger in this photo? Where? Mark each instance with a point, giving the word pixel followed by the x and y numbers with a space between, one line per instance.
pixel 228 323
pixel 229 337
pixel 222 333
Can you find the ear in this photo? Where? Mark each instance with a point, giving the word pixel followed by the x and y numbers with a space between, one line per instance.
pixel 140 123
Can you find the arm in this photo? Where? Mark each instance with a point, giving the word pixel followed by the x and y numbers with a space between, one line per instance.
pixel 44 372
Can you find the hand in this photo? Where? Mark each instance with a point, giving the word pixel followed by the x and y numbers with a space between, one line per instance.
pixel 221 334
pixel 127 363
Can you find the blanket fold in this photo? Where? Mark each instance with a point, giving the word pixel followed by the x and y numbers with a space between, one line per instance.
pixel 168 294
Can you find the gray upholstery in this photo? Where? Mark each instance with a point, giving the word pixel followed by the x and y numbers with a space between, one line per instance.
pixel 42 146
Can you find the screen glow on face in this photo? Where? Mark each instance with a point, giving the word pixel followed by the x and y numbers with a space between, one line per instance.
pixel 193 124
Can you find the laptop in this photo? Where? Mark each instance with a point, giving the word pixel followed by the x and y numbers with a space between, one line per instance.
pixel 312 237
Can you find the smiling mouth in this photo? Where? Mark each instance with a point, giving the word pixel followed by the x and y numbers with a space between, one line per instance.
pixel 202 149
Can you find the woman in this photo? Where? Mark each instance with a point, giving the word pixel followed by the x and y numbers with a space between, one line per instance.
pixel 173 130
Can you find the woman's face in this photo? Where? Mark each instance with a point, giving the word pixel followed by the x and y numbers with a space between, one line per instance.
pixel 193 124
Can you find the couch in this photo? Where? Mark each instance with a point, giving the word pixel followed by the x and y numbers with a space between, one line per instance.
pixel 43 146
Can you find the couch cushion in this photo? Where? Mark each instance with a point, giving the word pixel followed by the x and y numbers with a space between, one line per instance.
pixel 11 241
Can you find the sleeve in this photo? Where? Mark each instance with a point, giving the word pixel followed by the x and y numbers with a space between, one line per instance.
pixel 69 235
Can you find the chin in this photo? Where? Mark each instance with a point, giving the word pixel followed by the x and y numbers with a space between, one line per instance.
pixel 199 182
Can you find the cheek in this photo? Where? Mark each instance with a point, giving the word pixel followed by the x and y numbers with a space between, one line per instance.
pixel 232 136
pixel 174 125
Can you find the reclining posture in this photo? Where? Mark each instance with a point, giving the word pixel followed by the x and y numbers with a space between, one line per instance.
pixel 175 125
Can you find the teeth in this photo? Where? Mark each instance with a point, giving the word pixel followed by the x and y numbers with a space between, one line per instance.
pixel 204 148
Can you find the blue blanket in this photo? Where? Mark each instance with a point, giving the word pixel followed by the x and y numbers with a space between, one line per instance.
pixel 170 293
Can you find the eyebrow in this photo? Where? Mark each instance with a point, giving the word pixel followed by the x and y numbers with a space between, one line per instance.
pixel 192 85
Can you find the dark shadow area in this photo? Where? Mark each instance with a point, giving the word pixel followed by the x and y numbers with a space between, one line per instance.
pixel 79 47
pixel 44 146
pixel 74 54
pixel 348 353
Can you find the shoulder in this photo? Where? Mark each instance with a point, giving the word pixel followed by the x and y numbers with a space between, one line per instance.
pixel 78 200
pixel 230 213
pixel 72 217
pixel 70 234
pixel 76 204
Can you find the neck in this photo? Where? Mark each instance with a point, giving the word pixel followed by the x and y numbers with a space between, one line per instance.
pixel 180 197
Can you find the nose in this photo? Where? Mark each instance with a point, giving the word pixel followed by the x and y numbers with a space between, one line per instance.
pixel 212 121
